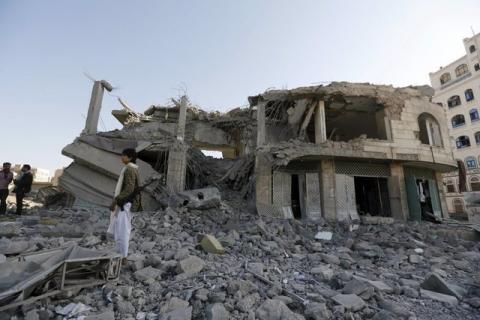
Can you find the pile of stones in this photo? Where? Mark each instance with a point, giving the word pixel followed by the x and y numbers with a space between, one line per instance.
pixel 225 263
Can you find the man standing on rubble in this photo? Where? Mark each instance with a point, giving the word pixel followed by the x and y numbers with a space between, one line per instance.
pixel 23 185
pixel 127 199
pixel 6 177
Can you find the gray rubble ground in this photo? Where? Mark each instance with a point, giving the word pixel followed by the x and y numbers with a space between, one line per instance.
pixel 376 272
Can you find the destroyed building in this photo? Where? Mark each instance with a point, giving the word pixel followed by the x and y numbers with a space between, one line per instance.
pixel 332 152
pixel 345 149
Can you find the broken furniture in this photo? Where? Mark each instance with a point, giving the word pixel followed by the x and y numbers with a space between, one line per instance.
pixel 39 275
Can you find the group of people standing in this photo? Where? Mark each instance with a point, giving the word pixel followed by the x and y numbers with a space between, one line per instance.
pixel 127 198
pixel 23 185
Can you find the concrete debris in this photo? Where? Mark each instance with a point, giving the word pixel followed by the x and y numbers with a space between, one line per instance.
pixel 250 236
pixel 350 301
pixel 445 298
pixel 148 274
pixel 324 235
pixel 434 282
pixel 190 266
pixel 210 244
pixel 216 311
pixel 72 309
pixel 271 268
pixel 276 310
pixel 201 199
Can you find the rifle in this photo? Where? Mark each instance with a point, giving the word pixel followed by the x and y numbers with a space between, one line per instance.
pixel 136 191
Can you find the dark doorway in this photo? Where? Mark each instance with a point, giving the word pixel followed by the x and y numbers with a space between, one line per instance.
pixel 296 197
pixel 424 195
pixel 372 196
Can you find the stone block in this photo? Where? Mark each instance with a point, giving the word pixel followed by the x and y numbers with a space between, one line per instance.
pixel 324 272
pixel 147 273
pixel 216 311
pixel 276 310
pixel 190 266
pixel 173 304
pixel 351 302
pixel 178 314
pixel 210 244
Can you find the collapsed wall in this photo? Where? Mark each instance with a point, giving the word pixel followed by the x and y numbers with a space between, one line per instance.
pixel 168 149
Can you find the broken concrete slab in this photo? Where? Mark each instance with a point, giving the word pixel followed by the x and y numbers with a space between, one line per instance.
pixel 445 298
pixel 148 274
pixel 434 282
pixel 381 286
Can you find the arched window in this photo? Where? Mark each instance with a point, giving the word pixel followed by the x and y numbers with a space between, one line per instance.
pixel 477 137
pixel 462 142
pixel 469 95
pixel 475 184
pixel 458 205
pixel 450 186
pixel 474 114
pixel 429 130
pixel 454 101
pixel 444 78
pixel 472 48
pixel 471 162
pixel 461 70
pixel 458 120
pixel 476 66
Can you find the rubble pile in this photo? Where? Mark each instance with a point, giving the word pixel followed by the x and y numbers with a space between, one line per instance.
pixel 225 263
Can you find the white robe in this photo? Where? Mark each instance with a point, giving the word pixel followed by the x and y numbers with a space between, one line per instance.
pixel 122 228
pixel 121 220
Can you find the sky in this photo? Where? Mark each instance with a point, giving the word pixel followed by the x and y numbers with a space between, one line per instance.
pixel 217 51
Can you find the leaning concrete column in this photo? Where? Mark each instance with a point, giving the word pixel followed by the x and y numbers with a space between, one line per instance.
pixel 177 156
pixel 320 125
pixel 328 190
pixel 91 124
pixel 261 124
pixel 182 118
pixel 397 192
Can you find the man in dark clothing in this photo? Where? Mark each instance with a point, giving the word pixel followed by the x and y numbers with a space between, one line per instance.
pixel 6 177
pixel 23 185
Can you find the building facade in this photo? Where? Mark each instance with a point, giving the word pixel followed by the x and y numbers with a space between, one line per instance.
pixel 343 151
pixel 457 90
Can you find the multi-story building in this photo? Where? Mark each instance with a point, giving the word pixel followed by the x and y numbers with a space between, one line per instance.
pixel 457 90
